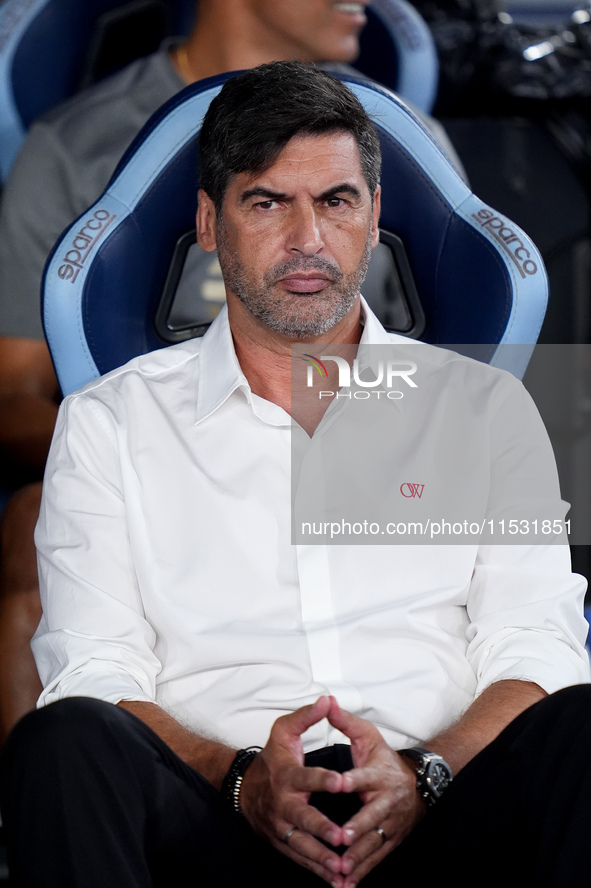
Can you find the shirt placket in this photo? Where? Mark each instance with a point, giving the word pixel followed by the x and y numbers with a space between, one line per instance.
pixel 320 619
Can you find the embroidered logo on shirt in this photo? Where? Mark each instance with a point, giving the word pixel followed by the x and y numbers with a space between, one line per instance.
pixel 408 489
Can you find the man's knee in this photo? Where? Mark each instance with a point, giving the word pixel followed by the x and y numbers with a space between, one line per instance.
pixel 60 731
pixel 569 708
pixel 561 718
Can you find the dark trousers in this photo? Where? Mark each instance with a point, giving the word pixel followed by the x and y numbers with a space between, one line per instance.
pixel 92 798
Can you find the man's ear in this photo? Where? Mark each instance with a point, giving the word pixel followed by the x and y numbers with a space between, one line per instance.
pixel 205 222
pixel 375 221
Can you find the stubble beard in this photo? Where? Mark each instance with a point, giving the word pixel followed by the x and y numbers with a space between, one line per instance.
pixel 296 316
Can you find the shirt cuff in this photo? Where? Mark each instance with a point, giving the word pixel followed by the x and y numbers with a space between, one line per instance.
pixel 520 656
pixel 109 686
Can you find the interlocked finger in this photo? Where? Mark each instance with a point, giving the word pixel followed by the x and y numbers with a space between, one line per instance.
pixel 367 851
pixel 373 814
pixel 313 779
pixel 288 834
pixel 382 834
pixel 307 851
pixel 308 820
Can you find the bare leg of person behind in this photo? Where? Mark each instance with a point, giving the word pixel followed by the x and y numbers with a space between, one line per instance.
pixel 20 608
pixel 29 397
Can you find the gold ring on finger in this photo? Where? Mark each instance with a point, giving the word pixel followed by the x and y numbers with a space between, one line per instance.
pixel 382 834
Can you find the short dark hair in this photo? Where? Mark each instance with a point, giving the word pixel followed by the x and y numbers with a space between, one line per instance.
pixel 256 113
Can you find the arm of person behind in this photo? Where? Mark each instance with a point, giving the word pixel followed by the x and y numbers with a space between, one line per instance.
pixel 37 204
pixel 39 200
pixel 29 396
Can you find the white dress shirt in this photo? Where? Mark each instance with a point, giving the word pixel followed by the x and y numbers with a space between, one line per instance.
pixel 168 573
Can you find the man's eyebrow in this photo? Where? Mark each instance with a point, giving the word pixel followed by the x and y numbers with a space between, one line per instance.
pixel 343 188
pixel 265 193
pixel 269 194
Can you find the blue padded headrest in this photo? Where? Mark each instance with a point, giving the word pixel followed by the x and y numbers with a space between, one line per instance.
pixel 397 50
pixel 43 50
pixel 480 279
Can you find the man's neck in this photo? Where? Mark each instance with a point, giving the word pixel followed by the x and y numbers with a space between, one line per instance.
pixel 266 359
pixel 228 37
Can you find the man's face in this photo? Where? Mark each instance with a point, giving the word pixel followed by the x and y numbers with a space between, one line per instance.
pixel 312 30
pixel 294 241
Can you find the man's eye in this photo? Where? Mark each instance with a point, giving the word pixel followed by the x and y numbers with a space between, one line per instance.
pixel 335 202
pixel 266 204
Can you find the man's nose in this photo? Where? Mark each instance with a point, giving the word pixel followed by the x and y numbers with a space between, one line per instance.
pixel 305 231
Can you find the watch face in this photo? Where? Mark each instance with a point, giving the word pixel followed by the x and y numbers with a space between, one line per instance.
pixel 438 776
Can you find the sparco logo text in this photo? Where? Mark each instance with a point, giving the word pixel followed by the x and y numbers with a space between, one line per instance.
pixel 510 239
pixel 82 243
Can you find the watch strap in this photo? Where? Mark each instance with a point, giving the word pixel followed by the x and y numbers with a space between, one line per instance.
pixel 417 753
pixel 430 785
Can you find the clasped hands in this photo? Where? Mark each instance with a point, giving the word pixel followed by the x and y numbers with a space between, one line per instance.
pixel 277 787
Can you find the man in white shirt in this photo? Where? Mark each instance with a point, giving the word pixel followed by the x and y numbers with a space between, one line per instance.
pixel 172 589
pixel 65 164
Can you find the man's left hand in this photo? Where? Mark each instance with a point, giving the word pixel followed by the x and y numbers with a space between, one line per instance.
pixel 386 784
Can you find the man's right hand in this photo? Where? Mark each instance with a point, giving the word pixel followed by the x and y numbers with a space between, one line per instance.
pixel 276 790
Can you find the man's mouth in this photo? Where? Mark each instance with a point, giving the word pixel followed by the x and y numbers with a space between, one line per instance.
pixel 305 275
pixel 306 283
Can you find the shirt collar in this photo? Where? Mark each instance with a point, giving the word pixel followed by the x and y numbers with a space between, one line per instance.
pixel 220 373
pixel 375 334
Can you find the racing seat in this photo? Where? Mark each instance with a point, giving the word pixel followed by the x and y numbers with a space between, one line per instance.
pixel 49 49
pixel 477 277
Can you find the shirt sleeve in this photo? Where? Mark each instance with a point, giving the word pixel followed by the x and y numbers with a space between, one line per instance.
pixel 93 639
pixel 525 604
pixel 36 207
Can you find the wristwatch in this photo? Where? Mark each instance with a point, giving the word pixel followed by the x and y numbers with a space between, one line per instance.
pixel 433 773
